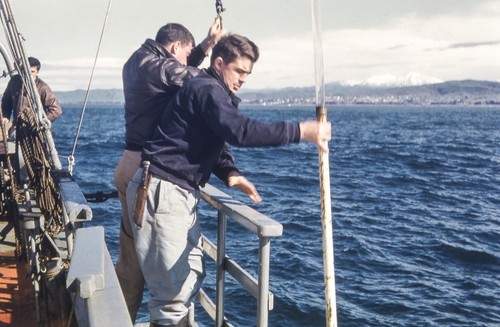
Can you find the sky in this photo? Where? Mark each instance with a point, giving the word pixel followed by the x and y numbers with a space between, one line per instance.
pixel 362 39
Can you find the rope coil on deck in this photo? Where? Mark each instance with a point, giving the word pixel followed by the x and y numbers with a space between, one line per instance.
pixel 38 167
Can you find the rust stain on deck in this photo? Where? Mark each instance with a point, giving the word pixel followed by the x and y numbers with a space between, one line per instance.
pixel 16 297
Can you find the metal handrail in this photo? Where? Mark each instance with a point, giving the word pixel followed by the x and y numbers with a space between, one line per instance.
pixel 97 297
pixel 265 228
pixel 94 285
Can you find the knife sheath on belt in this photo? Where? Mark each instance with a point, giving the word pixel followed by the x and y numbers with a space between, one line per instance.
pixel 141 194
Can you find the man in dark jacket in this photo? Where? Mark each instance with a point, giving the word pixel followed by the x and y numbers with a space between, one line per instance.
pixel 151 76
pixel 189 145
pixel 14 99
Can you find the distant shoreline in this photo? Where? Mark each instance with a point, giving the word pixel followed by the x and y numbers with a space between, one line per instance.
pixel 453 93
pixel 116 106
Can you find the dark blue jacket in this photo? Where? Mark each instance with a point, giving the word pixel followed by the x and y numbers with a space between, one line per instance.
pixel 151 77
pixel 189 143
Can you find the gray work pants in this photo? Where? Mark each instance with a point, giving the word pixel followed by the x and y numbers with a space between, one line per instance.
pixel 168 248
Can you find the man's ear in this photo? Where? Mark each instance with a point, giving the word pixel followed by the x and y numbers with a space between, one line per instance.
pixel 218 64
pixel 174 47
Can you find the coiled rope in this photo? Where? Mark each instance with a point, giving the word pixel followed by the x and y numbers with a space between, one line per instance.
pixel 33 134
pixel 46 191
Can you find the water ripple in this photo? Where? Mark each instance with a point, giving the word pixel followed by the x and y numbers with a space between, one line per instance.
pixel 415 206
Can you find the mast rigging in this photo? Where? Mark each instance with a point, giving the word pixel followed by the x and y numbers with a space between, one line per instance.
pixel 71 157
pixel 34 142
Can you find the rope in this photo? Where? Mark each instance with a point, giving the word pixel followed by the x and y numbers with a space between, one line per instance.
pixel 33 135
pixel 38 167
pixel 71 157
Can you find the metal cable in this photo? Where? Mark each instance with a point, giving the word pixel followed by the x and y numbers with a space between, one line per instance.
pixel 71 157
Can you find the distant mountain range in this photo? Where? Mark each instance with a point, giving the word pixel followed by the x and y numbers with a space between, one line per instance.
pixel 467 92
pixel 390 80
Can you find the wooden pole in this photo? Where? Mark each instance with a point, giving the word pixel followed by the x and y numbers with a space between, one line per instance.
pixel 324 174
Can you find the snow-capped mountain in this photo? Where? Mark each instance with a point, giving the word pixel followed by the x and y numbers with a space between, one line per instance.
pixel 390 80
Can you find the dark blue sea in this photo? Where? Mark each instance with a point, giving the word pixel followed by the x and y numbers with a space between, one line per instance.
pixel 416 213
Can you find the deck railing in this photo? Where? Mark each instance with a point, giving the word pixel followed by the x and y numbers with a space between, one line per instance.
pixel 98 300
pixel 264 228
pixel 97 297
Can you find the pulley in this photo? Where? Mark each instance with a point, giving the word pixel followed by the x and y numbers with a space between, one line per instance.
pixel 219 8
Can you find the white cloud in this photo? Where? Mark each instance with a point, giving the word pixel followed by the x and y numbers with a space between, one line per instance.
pixel 284 62
pixel 424 46
pixel 451 45
pixel 75 73
pixel 441 47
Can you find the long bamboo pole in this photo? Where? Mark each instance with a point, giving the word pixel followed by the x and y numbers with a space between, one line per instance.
pixel 324 174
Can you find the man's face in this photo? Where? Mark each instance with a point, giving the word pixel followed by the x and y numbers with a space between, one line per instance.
pixel 34 72
pixel 234 74
pixel 182 51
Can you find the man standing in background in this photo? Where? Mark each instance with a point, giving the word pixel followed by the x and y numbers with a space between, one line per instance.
pixel 14 99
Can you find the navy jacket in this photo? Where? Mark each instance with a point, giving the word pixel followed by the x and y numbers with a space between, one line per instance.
pixel 151 77
pixel 190 141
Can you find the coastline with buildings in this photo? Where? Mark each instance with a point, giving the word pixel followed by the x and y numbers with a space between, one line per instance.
pixel 460 93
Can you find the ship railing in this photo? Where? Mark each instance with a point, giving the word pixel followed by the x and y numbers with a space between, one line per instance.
pixel 253 221
pixel 97 297
pixel 91 280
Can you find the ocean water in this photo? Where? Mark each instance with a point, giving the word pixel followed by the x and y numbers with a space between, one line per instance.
pixel 416 211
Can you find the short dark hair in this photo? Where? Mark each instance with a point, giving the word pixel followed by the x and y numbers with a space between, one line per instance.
pixel 174 32
pixel 34 62
pixel 233 46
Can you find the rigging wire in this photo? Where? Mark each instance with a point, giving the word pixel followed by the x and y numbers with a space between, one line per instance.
pixel 71 157
pixel 15 40
pixel 33 138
